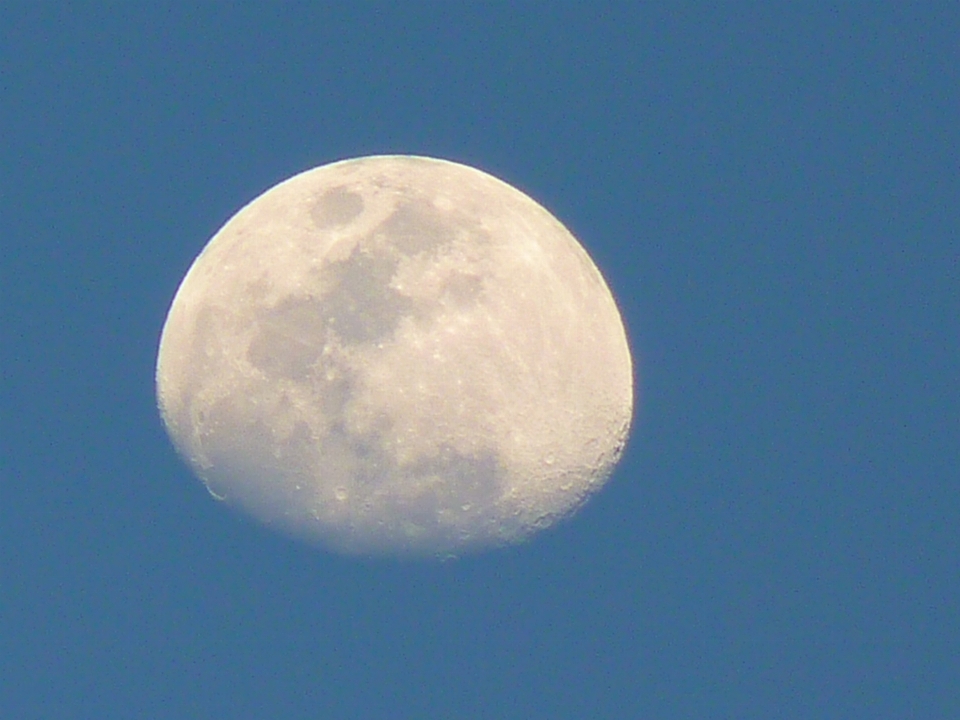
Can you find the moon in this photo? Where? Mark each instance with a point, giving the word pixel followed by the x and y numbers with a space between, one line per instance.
pixel 397 355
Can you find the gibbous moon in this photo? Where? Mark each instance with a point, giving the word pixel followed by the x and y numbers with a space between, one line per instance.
pixel 397 355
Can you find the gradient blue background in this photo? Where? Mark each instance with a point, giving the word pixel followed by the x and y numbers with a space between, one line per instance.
pixel 772 193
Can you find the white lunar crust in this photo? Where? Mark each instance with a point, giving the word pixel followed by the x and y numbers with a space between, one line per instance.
pixel 397 355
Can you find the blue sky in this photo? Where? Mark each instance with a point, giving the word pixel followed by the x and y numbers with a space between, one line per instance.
pixel 771 191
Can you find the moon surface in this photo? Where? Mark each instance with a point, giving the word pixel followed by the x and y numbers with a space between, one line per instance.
pixel 397 355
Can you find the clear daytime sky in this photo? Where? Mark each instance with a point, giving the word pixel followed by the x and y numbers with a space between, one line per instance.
pixel 772 191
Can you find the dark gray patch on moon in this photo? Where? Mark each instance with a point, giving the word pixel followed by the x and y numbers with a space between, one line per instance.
pixel 336 207
pixel 290 339
pixel 464 289
pixel 362 307
pixel 336 387
pixel 415 227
